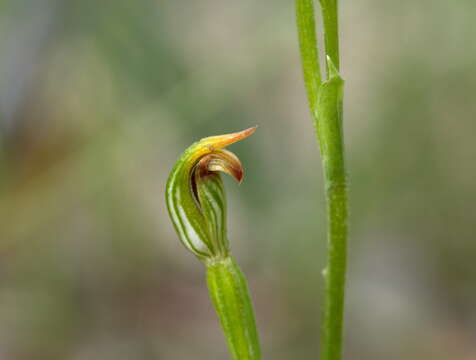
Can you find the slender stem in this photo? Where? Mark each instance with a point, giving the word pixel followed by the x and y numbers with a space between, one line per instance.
pixel 326 108
pixel 332 335
pixel 230 296
pixel 331 30
pixel 309 51
pixel 332 153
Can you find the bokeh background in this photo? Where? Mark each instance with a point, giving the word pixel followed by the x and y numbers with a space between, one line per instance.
pixel 97 101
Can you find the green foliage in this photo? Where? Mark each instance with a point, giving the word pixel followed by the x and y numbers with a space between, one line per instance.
pixel 196 202
pixel 326 103
pixel 98 99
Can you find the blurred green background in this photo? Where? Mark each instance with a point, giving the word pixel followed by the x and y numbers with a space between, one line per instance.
pixel 97 101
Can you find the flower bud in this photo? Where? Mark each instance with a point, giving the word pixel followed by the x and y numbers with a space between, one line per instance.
pixel 196 197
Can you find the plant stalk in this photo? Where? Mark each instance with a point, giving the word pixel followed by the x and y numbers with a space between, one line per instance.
pixel 325 101
pixel 309 52
pixel 230 296
pixel 331 30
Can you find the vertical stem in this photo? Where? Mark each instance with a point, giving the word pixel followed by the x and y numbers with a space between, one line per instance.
pixel 326 108
pixel 331 30
pixel 309 51
pixel 332 152
pixel 230 296
pixel 331 339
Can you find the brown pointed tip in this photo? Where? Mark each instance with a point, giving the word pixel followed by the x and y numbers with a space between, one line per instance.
pixel 221 141
pixel 247 132
pixel 239 175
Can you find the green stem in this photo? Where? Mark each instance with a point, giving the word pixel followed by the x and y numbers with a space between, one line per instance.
pixel 331 338
pixel 331 30
pixel 326 108
pixel 230 296
pixel 329 127
pixel 309 51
